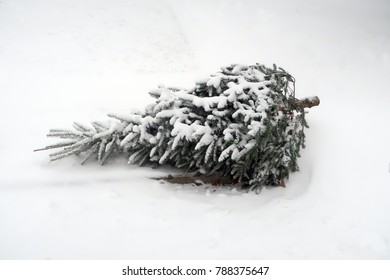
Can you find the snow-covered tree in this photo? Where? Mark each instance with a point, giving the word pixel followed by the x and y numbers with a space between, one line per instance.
pixel 243 122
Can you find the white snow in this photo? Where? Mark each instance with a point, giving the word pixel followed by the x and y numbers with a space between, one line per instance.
pixel 64 61
pixel 214 81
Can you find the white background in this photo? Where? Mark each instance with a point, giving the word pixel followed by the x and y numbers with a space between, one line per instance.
pixel 278 270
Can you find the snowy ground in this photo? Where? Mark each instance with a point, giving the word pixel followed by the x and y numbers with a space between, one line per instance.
pixel 64 61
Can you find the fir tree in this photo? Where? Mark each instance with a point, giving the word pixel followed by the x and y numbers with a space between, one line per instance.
pixel 243 122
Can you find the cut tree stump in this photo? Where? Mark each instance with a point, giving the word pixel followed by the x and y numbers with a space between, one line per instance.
pixel 308 102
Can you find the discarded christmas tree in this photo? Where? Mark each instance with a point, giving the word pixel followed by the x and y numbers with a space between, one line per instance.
pixel 243 124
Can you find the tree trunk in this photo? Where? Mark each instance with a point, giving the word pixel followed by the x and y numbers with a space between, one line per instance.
pixel 308 102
